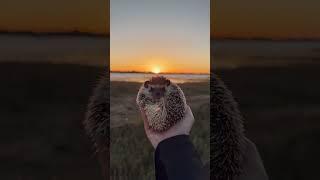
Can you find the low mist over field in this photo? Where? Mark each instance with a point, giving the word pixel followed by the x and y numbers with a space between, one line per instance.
pixel 263 53
pixel 57 49
pixel 94 50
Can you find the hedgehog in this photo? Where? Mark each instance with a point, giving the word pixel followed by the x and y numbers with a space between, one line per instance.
pixel 227 139
pixel 96 123
pixel 232 154
pixel 163 102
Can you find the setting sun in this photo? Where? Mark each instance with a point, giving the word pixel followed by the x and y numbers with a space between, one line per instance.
pixel 156 70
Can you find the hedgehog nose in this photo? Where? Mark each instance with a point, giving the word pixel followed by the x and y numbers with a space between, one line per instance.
pixel 157 95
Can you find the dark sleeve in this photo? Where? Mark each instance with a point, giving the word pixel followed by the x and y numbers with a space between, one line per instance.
pixel 176 159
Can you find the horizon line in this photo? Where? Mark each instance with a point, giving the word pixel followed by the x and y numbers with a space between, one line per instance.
pixel 266 38
pixel 62 33
pixel 83 33
pixel 149 72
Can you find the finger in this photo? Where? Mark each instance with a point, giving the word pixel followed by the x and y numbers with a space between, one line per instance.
pixel 189 117
pixel 188 112
pixel 145 120
pixel 188 109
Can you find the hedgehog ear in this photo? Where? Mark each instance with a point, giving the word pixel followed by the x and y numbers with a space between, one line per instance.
pixel 168 82
pixel 146 84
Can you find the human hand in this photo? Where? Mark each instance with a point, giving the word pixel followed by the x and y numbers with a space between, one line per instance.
pixel 182 127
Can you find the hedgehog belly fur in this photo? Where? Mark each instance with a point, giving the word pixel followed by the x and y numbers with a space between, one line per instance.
pixel 156 115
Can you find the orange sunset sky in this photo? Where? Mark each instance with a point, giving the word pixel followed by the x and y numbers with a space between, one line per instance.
pixel 166 35
pixel 273 19
pixel 245 18
pixel 160 36
pixel 55 15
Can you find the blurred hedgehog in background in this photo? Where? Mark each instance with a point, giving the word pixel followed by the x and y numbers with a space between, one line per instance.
pixel 227 137
pixel 97 124
pixel 232 154
pixel 163 102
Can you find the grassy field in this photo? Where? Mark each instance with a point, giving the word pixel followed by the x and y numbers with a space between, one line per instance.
pixel 42 107
pixel 131 152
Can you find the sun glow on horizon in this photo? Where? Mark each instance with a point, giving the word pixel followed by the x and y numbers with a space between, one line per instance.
pixel 160 67
pixel 156 69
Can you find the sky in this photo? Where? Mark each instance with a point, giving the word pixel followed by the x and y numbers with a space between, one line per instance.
pixel 169 36
pixel 229 18
pixel 275 19
pixel 55 16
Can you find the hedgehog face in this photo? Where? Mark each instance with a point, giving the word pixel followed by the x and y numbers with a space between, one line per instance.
pixel 156 89
pixel 157 92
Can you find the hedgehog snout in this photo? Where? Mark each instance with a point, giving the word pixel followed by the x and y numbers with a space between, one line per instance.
pixel 157 95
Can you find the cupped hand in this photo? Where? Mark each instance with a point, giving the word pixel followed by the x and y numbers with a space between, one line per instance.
pixel 182 127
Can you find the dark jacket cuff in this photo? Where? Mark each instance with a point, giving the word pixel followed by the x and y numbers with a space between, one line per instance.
pixel 177 158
